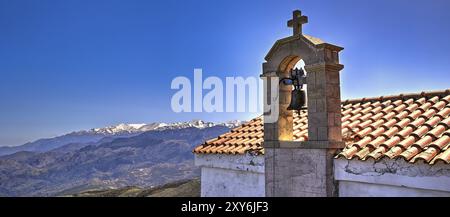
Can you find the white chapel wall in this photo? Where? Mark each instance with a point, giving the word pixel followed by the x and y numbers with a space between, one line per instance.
pixel 387 178
pixel 243 176
pixel 231 175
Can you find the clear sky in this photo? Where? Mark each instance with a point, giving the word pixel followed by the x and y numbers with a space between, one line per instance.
pixel 75 64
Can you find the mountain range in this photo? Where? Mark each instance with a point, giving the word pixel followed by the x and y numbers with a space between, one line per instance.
pixel 143 155
pixel 96 135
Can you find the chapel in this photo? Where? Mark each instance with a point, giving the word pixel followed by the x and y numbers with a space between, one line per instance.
pixel 310 143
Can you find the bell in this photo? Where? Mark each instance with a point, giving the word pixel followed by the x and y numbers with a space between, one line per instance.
pixel 298 100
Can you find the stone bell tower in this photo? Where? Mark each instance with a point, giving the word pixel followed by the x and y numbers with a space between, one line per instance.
pixel 302 168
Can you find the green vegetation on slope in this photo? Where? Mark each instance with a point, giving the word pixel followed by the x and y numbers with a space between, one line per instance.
pixel 184 188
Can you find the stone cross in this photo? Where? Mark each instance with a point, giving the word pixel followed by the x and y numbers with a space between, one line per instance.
pixel 297 21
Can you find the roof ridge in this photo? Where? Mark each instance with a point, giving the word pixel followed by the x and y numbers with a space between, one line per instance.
pixel 399 96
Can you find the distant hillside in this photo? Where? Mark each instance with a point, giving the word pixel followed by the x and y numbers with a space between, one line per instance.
pixel 148 159
pixel 185 188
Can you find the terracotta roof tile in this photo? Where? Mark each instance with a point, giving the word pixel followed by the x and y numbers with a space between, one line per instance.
pixel 410 153
pixel 425 141
pixel 442 142
pixel 407 142
pixel 445 157
pixel 415 127
pixel 393 152
pixel 377 142
pixel 363 153
pixel 427 155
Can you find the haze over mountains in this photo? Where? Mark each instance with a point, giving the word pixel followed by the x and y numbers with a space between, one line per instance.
pixel 111 157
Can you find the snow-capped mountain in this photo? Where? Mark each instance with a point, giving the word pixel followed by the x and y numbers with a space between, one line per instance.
pixel 137 128
pixel 198 124
pixel 122 128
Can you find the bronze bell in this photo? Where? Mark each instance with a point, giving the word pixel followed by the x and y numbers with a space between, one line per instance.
pixel 298 100
pixel 298 96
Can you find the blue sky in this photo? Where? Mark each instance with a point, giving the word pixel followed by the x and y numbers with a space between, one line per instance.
pixel 71 65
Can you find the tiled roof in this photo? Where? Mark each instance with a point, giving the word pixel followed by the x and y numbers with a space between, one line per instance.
pixel 415 127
